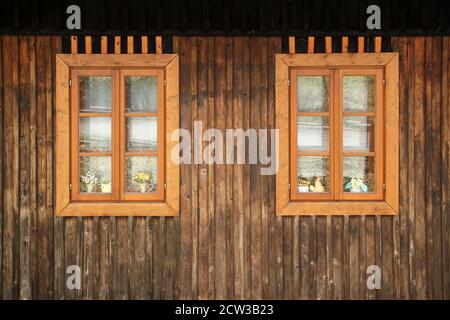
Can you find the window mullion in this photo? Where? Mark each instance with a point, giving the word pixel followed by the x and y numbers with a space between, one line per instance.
pixel 337 114
pixel 117 144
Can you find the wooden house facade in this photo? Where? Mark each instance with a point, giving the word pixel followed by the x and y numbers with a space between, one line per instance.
pixel 227 242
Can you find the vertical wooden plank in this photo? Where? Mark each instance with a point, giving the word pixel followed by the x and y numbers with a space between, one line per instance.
pixel 49 69
pixel 195 171
pixel 117 44
pixel 144 44
pixel 354 270
pixel 344 44
pixel 158 41
pixel 411 166
pixel 377 44
pixel 291 44
pixel 130 44
pixel 264 178
pixel 419 169
pixel 210 123
pixel 1 162
pixel 183 48
pixel 74 44
pixel 33 167
pixel 310 44
pixel 246 124
pixel 445 138
pixel 24 160
pixel 328 45
pixel 220 78
pixel 2 136
pixel 203 223
pixel 255 181
pixel 335 260
pixel 44 254
pixel 400 230
pixel 445 149
pixel 361 45
pixel 275 222
pixel 104 44
pixel 121 280
pixel 88 44
pixel 434 185
pixel 238 174
pixel 322 248
pixel 11 166
pixel 229 169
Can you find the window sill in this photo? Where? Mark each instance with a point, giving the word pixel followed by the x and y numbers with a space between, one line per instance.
pixel 303 208
pixel 118 209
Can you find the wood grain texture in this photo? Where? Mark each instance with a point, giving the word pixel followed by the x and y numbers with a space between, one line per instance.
pixel 227 241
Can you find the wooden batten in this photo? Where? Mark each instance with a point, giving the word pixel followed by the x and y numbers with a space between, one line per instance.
pixel 291 44
pixel 159 47
pixel 310 44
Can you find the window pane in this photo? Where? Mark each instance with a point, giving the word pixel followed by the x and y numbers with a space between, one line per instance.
pixel 141 174
pixel 359 93
pixel 95 134
pixel 313 174
pixel 142 133
pixel 312 133
pixel 312 93
pixel 95 174
pixel 141 94
pixel 95 94
pixel 359 134
pixel 359 174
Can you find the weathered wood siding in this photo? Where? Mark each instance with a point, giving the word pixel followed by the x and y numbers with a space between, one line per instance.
pixel 227 241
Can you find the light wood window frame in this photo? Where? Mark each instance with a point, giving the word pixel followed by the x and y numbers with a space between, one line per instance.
pixel 384 200
pixel 165 202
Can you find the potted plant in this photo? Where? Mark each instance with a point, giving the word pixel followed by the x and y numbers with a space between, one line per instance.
pixel 90 181
pixel 142 179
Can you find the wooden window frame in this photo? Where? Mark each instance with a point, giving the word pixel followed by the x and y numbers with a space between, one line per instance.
pixel 385 202
pixel 166 201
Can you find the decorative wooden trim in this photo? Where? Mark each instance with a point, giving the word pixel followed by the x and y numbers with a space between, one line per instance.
pixel 385 61
pixel 118 209
pixel 336 208
pixel 62 147
pixel 64 63
pixel 116 60
pixel 291 44
pixel 158 42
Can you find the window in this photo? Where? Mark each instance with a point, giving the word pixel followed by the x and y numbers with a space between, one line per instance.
pixel 114 119
pixel 342 125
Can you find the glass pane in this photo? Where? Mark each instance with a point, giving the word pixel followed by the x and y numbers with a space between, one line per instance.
pixel 95 134
pixel 141 94
pixel 359 134
pixel 312 133
pixel 142 133
pixel 312 93
pixel 95 174
pixel 359 174
pixel 141 174
pixel 95 94
pixel 313 174
pixel 359 93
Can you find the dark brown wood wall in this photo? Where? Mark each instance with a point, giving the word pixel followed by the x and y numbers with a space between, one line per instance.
pixel 227 241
